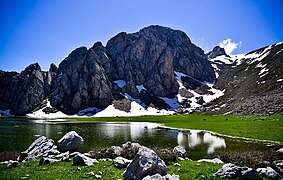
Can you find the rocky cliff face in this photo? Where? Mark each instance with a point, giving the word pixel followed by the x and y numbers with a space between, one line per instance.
pixel 150 57
pixel 80 82
pixel 23 92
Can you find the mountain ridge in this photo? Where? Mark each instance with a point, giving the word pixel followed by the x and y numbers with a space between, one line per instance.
pixel 155 68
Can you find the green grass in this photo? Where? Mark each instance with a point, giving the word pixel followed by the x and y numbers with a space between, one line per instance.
pixel 65 170
pixel 261 128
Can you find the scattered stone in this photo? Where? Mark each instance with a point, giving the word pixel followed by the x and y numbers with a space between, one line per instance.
pixel 117 150
pixel 267 172
pixel 280 151
pixel 10 163
pixel 250 174
pixel 129 146
pixel 91 173
pixel 97 176
pixel 177 164
pixel 215 161
pixel 180 151
pixel 70 142
pixel 146 162
pixel 79 169
pixel 44 161
pixel 159 177
pixel 82 160
pixel 232 171
pixel 120 162
pixel 181 159
pixel 42 146
pixel 279 165
pixel 74 154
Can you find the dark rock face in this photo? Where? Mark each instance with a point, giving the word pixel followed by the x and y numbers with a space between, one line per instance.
pixel 217 51
pixel 150 56
pixel 23 92
pixel 80 83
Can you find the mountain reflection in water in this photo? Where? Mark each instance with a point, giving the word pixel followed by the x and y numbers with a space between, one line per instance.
pixel 194 138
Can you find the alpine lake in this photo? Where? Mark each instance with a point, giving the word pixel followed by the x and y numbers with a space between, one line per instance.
pixel 17 133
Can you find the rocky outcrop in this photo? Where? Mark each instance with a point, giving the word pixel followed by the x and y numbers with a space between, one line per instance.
pixel 216 51
pixel 44 161
pixel 80 83
pixel 120 162
pixel 82 160
pixel 150 56
pixel 146 162
pixel 70 142
pixel 42 146
pixel 231 171
pixel 23 92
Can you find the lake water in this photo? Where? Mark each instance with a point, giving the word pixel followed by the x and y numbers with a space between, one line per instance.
pixel 16 134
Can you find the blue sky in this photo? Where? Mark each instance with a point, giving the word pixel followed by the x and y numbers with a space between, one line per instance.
pixel 47 31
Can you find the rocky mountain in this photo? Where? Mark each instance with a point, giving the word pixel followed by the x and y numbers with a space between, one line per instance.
pixel 253 82
pixel 157 70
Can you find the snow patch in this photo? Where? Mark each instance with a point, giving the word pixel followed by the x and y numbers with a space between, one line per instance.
pixel 6 113
pixel 173 102
pixel 121 83
pixel 140 88
pixel 263 72
pixel 279 80
pixel 42 115
pixel 105 55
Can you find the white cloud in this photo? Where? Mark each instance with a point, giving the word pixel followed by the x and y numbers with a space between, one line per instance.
pixel 229 45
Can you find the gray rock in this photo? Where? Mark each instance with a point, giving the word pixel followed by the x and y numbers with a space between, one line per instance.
pixel 232 171
pixel 10 163
pixel 82 160
pixel 215 161
pixel 268 172
pixel 40 147
pixel 146 162
pixel 280 151
pixel 120 162
pixel 44 161
pixel 159 177
pixel 217 51
pixel 70 142
pixel 116 150
pixel 250 174
pixel 278 165
pixel 180 151
pixel 130 149
pixel 74 154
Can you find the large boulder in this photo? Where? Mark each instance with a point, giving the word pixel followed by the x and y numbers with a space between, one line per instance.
pixel 146 162
pixel 70 142
pixel 278 165
pixel 42 146
pixel 82 160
